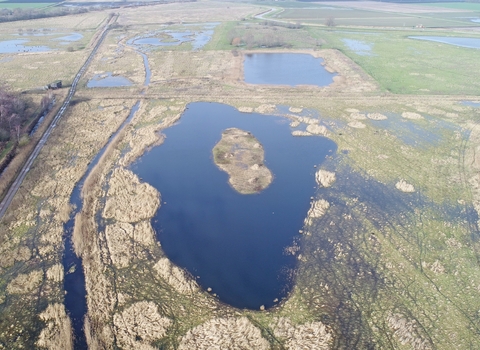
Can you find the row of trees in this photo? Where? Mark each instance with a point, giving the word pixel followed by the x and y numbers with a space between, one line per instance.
pixel 253 37
pixel 12 115
pixel 15 117
pixel 19 14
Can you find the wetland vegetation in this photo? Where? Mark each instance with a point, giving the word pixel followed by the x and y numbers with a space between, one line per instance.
pixel 364 234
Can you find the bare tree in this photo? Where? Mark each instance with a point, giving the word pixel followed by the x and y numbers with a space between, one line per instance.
pixel 330 21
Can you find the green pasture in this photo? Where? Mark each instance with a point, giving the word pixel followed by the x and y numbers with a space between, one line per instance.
pixel 407 66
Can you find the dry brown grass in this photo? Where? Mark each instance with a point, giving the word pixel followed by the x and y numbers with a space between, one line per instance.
pixel 196 12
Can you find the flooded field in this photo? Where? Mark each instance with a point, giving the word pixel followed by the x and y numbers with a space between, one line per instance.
pixel 19 46
pixel 197 37
pixel 472 43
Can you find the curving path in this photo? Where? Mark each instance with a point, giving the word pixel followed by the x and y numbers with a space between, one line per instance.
pixel 23 172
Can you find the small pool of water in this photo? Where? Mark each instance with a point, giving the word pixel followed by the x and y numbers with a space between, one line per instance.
pixel 285 69
pixel 359 47
pixel 472 43
pixel 471 104
pixel 70 38
pixel 234 243
pixel 17 46
pixel 107 80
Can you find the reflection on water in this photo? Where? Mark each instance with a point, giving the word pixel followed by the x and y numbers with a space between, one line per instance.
pixel 286 69
pixel 17 46
pixel 107 80
pixel 234 243
pixel 70 38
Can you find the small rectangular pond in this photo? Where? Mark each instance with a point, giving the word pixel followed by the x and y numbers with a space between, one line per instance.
pixel 108 80
pixel 285 69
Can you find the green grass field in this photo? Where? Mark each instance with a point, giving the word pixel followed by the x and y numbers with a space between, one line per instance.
pixel 407 66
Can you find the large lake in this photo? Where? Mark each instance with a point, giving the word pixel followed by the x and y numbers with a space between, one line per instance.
pixel 285 69
pixel 232 243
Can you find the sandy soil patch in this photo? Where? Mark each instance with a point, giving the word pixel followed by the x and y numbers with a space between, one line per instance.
pixel 376 116
pixel 295 109
pixel 224 333
pixel 403 186
pixel 245 109
pixel 357 125
pixel 317 210
pixel 175 276
pixel 126 242
pixel 25 283
pixel 241 156
pixel 300 133
pixel 139 325
pixel 317 129
pixel 312 335
pixel 129 200
pixel 411 115
pixel 325 178
pixel 358 116
pixel 58 333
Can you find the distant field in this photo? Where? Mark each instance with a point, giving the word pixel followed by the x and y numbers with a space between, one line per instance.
pixel 11 5
pixel 354 17
pixel 456 5
pixel 406 66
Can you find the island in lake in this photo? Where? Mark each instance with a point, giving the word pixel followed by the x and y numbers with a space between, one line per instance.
pixel 241 156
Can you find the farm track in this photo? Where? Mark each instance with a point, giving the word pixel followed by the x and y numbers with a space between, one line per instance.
pixel 26 167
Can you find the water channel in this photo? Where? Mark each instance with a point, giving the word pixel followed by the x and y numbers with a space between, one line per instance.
pixel 233 243
pixel 286 69
pixel 74 282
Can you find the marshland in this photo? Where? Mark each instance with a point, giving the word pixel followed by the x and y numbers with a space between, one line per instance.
pixel 195 208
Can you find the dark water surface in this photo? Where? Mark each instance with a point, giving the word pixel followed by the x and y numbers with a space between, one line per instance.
pixel 234 243
pixel 285 69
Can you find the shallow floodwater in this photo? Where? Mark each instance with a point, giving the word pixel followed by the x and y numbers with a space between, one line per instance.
pixel 285 69
pixel 472 43
pixel 232 243
pixel 359 47
pixel 471 104
pixel 108 80
pixel 70 38
pixel 197 38
pixel 17 46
